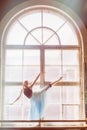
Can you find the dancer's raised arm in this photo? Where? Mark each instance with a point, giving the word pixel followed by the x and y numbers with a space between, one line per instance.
pixel 52 83
pixel 35 80
pixel 17 98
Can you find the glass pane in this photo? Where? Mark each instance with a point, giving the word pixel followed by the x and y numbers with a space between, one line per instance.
pixel 53 112
pixel 71 95
pixel 70 57
pixel 68 35
pixel 49 37
pixel 16 34
pixel 46 34
pixel 11 93
pixel 34 38
pixel 71 73
pixel 37 33
pixel 71 112
pixel 13 73
pixel 14 57
pixel 30 73
pixel 10 110
pixel 20 108
pixel 52 57
pixel 52 73
pixel 31 57
pixel 53 95
pixel 53 107
pixel 31 20
pixel 52 40
pixel 30 40
pixel 52 20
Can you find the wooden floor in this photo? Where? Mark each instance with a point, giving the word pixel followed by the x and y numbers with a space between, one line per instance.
pixel 43 127
pixel 48 128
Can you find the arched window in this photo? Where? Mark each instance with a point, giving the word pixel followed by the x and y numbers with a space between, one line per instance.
pixel 46 40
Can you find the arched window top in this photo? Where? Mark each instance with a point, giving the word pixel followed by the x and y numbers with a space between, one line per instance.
pixel 41 26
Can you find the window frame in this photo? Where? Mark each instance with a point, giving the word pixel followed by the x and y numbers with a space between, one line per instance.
pixel 47 47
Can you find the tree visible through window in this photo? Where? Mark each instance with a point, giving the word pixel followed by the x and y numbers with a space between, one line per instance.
pixel 43 40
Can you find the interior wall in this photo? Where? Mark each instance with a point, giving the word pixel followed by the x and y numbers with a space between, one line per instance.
pixel 76 5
